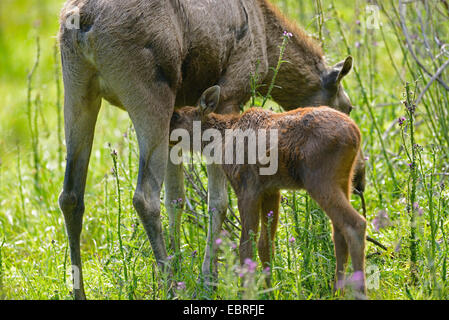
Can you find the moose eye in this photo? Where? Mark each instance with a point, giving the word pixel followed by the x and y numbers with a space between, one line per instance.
pixel 175 116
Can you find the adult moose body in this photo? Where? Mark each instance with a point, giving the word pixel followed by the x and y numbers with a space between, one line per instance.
pixel 150 56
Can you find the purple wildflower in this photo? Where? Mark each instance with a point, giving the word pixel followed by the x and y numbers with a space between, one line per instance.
pixel 218 241
pixel 284 200
pixel 357 279
pixel 292 239
pixel 397 248
pixel 417 208
pixel 270 214
pixel 180 285
pixel 381 220
pixel 288 34
pixel 358 44
pixel 224 233
pixel 401 121
pixel 251 265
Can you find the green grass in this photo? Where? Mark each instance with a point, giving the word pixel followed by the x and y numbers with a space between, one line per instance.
pixel 34 257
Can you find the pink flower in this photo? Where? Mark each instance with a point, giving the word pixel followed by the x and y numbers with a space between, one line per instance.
pixel 417 208
pixel 288 34
pixel 357 279
pixel 180 285
pixel 251 265
pixel 381 220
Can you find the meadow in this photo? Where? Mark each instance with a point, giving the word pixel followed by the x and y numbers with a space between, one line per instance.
pixel 399 87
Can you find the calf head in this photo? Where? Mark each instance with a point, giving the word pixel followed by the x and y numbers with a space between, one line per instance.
pixel 183 118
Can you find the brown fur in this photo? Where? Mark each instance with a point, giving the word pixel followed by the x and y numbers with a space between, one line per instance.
pixel 150 56
pixel 317 150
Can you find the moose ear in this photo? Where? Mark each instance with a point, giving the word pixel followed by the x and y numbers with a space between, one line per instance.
pixel 346 68
pixel 339 71
pixel 209 100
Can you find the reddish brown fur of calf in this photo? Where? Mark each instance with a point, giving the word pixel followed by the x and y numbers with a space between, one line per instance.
pixel 317 150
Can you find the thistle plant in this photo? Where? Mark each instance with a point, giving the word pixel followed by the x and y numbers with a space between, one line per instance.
pixel 411 149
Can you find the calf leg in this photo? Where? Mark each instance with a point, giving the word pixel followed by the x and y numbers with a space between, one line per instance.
pixel 217 206
pixel 81 105
pixel 269 217
pixel 174 191
pixel 249 207
pixel 269 220
pixel 359 179
pixel 350 226
pixel 341 255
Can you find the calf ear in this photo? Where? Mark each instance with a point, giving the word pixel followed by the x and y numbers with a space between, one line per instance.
pixel 339 71
pixel 209 100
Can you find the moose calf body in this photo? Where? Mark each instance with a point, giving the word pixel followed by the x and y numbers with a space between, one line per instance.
pixel 317 150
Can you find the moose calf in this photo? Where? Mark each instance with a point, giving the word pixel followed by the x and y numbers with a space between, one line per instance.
pixel 317 149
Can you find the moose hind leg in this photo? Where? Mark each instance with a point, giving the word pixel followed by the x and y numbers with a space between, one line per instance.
pixel 81 105
pixel 152 134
